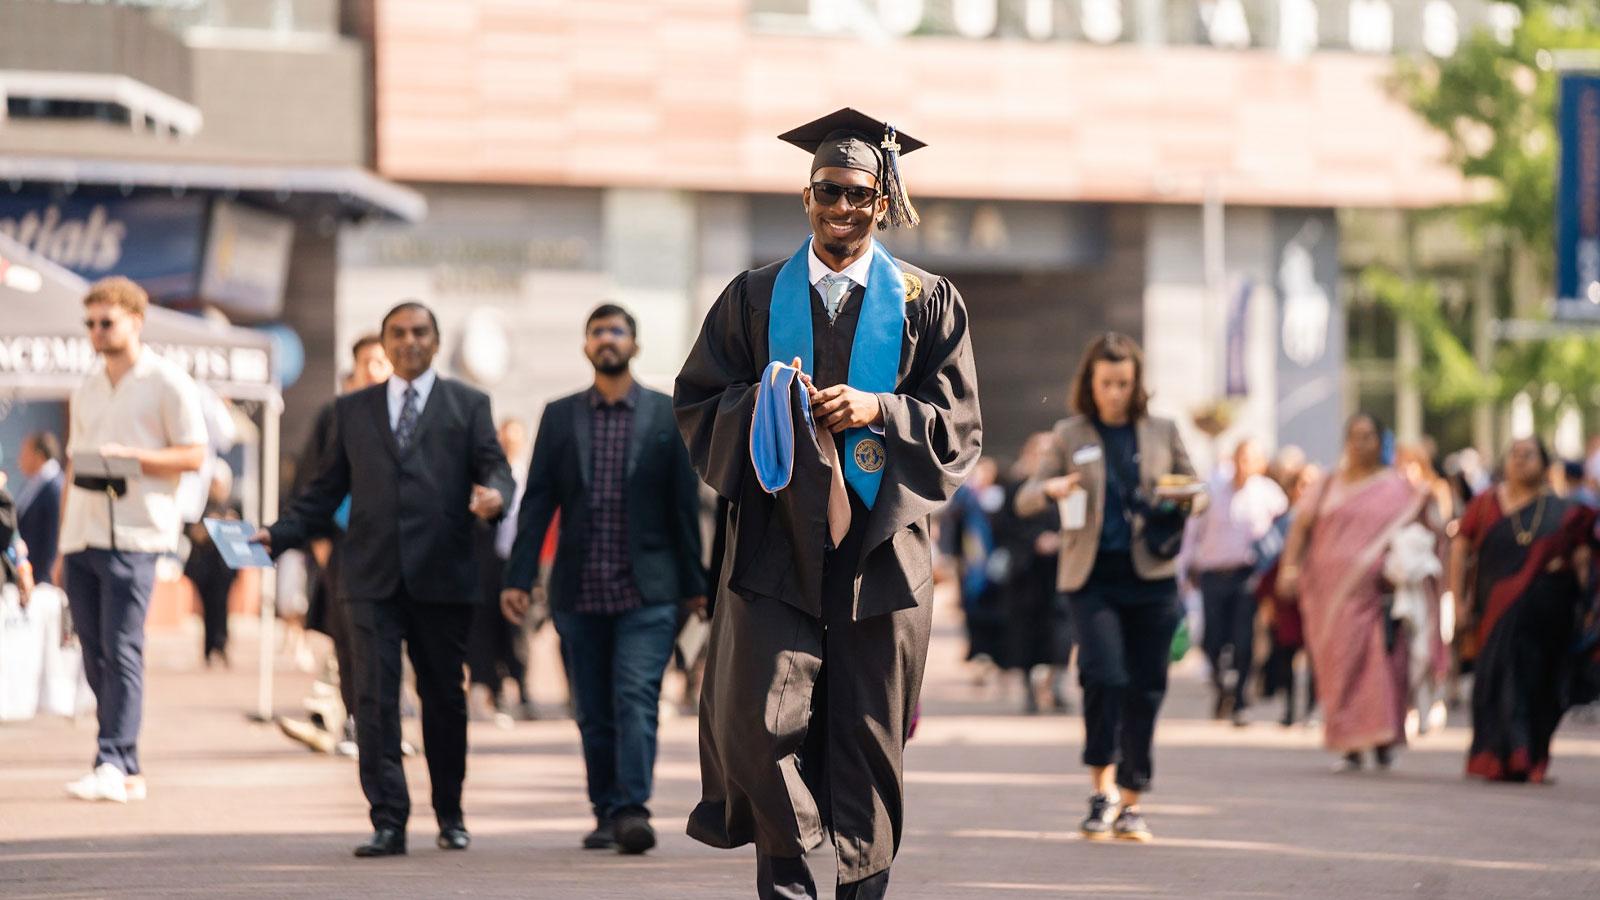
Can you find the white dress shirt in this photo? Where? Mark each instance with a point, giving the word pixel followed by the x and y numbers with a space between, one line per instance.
pixel 397 394
pixel 858 271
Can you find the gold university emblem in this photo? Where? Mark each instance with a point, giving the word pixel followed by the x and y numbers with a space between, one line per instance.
pixel 869 456
pixel 913 286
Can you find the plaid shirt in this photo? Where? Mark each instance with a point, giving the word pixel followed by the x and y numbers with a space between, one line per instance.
pixel 606 586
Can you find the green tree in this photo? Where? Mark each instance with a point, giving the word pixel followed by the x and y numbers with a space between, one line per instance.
pixel 1494 102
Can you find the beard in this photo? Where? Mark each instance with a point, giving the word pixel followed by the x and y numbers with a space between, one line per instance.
pixel 611 365
pixel 840 249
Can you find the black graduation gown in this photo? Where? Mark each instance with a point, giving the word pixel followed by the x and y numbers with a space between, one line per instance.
pixel 816 655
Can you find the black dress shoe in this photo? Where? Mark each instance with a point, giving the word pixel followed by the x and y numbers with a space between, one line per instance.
pixel 384 842
pixel 603 837
pixel 454 837
pixel 634 834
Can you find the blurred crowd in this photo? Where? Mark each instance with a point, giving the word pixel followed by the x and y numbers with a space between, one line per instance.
pixel 1417 585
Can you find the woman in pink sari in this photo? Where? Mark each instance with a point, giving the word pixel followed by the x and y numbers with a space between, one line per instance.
pixel 1334 562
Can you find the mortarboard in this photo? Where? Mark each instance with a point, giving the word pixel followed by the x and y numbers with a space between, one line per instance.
pixel 854 140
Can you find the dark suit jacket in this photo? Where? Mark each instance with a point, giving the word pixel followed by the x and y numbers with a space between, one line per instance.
pixel 663 503
pixel 410 530
pixel 40 527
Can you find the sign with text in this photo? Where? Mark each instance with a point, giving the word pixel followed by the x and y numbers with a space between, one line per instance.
pixel 1578 198
pixel 155 240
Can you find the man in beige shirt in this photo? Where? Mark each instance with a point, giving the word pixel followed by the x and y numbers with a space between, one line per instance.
pixel 134 405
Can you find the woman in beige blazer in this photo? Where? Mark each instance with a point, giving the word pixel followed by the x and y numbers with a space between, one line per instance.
pixel 1103 468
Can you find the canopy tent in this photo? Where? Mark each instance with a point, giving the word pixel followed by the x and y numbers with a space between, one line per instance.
pixel 44 354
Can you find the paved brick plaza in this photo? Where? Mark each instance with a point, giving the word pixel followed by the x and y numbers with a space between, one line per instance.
pixel 237 811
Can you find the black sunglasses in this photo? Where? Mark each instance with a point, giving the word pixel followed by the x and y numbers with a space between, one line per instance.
pixel 104 324
pixel 828 193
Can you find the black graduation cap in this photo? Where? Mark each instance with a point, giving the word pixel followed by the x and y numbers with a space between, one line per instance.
pixel 854 140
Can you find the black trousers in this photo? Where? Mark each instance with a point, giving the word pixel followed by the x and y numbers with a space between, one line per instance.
pixel 1124 626
pixel 1230 608
pixel 213 588
pixel 435 637
pixel 340 631
pixel 1279 671
pixel 496 648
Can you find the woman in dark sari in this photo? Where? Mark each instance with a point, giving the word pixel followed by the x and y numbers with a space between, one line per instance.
pixel 1520 558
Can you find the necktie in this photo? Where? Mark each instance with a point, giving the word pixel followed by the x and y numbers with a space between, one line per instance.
pixel 834 288
pixel 406 428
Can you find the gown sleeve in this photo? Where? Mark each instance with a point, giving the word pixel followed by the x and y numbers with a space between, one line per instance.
pixel 933 429
pixel 714 395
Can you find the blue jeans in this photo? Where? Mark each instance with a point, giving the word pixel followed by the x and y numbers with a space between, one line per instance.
pixel 614 664
pixel 109 594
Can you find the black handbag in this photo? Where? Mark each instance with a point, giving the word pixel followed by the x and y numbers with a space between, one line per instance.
pixel 1163 520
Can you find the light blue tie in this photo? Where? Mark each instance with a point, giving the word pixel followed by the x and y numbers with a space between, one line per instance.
pixel 834 288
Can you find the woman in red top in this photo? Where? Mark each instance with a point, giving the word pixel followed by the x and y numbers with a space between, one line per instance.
pixel 1520 558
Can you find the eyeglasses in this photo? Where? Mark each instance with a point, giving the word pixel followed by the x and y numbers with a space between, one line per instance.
pixel 104 324
pixel 828 193
pixel 615 331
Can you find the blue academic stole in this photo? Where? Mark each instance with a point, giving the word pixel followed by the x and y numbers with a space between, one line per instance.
pixel 874 354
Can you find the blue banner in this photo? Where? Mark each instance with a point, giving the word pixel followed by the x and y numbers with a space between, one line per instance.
pixel 1578 198
pixel 155 240
pixel 1238 375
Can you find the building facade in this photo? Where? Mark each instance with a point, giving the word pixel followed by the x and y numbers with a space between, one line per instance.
pixel 1174 170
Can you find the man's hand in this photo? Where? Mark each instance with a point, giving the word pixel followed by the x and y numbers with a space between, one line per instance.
pixel 486 502
pixel 842 407
pixel 262 537
pixel 695 604
pixel 514 604
pixel 1059 487
pixel 24 585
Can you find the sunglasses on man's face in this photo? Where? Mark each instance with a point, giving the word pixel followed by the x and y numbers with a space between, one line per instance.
pixel 103 324
pixel 828 193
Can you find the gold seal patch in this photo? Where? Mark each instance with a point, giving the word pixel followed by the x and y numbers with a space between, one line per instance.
pixel 869 455
pixel 913 286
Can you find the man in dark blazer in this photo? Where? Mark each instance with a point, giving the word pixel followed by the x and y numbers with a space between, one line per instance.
pixel 418 457
pixel 611 461
pixel 39 501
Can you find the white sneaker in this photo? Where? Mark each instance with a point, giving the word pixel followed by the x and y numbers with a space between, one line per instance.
pixel 138 788
pixel 106 782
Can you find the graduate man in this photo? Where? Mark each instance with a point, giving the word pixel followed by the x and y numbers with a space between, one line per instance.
pixel 820 633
